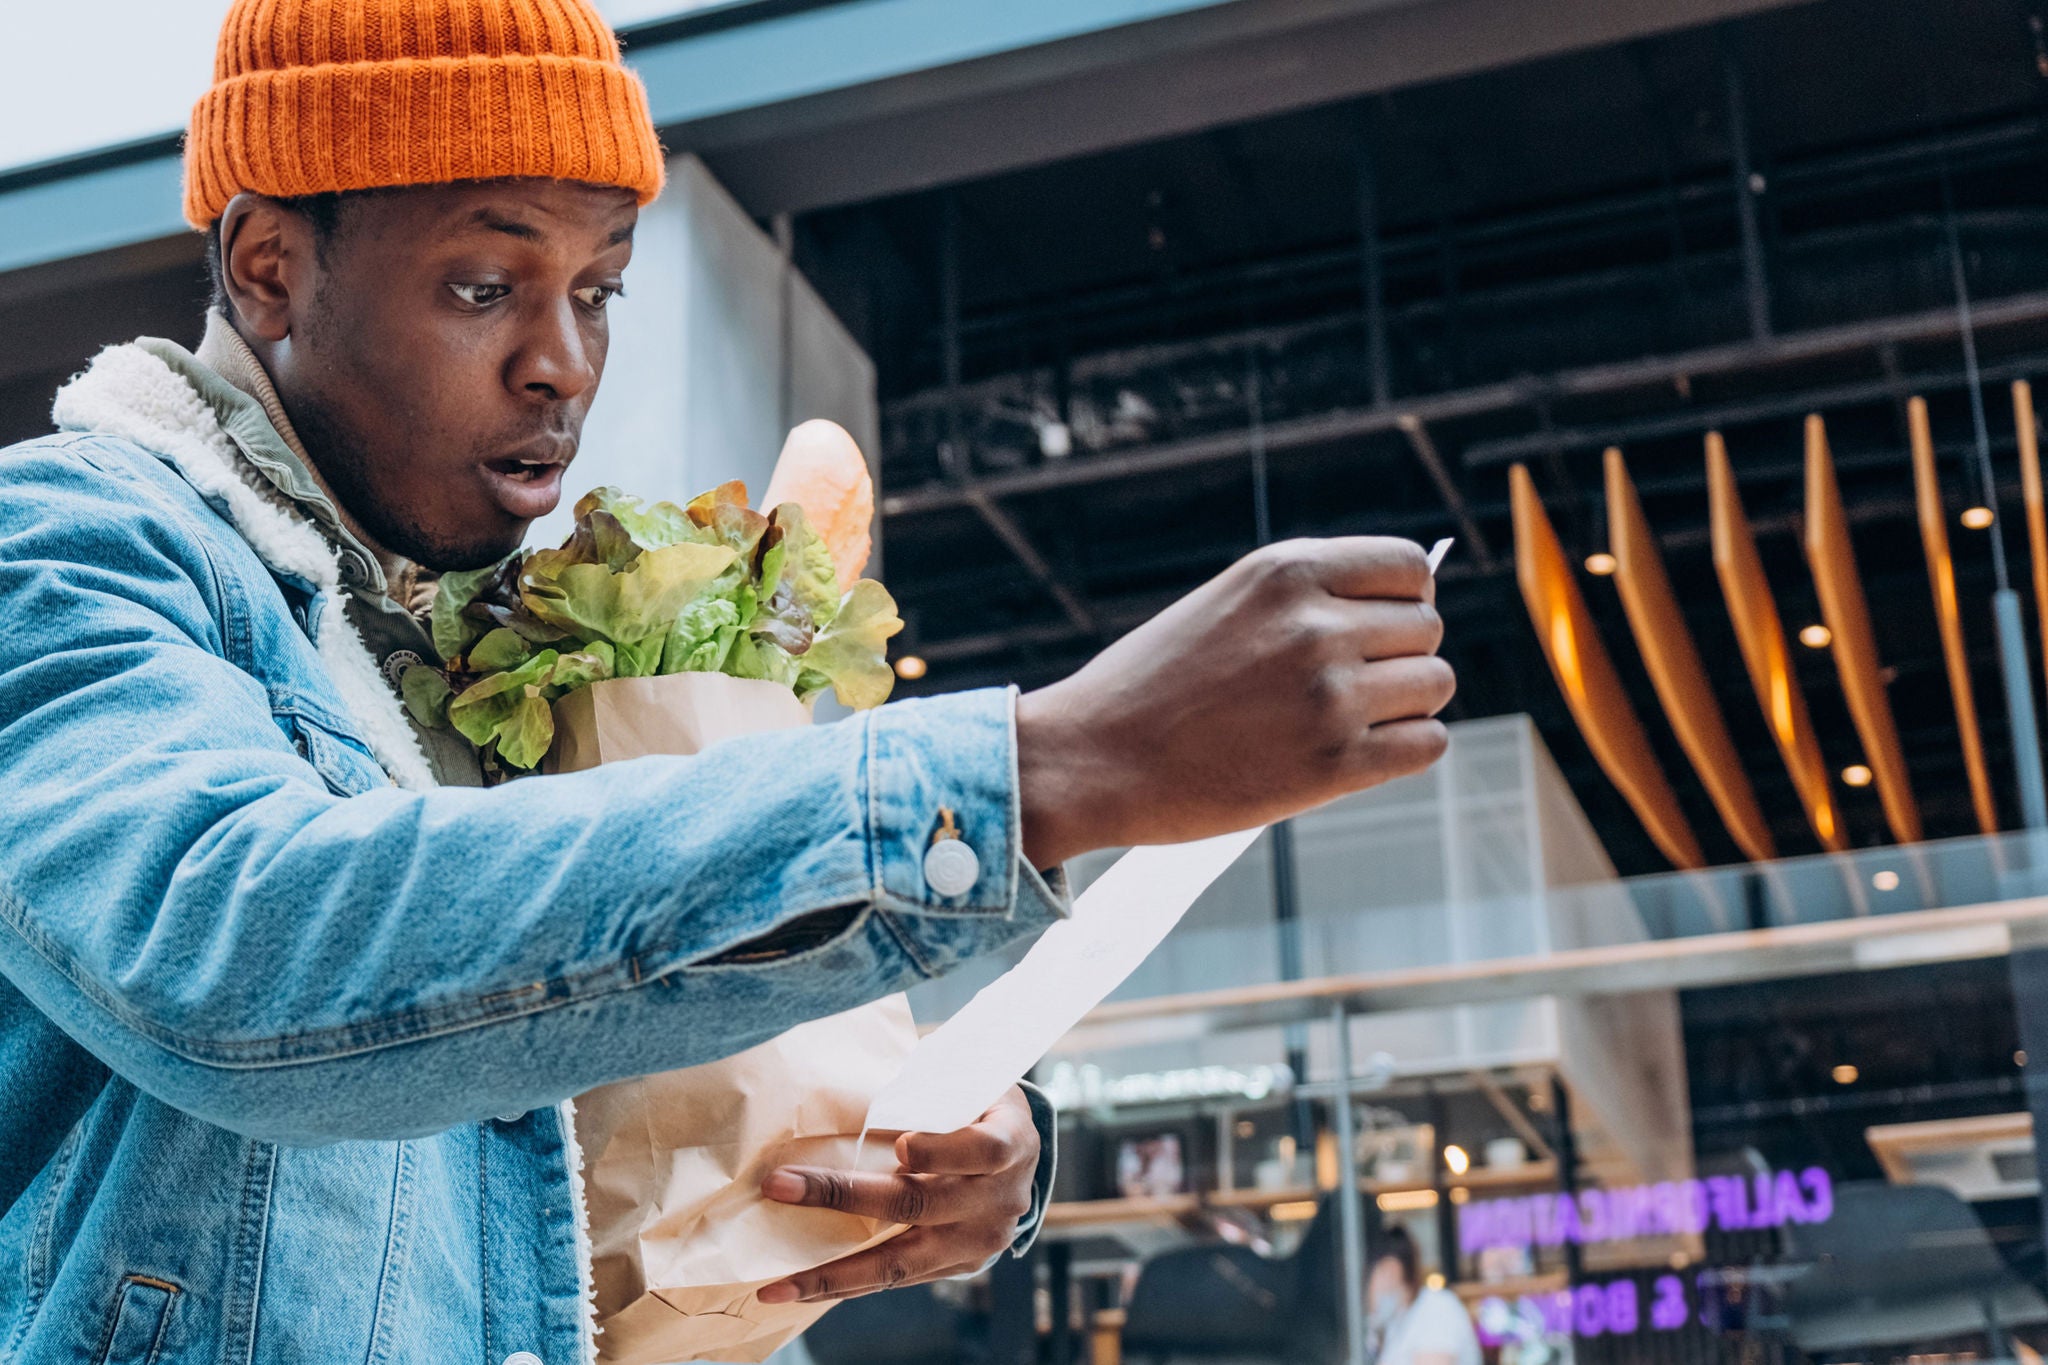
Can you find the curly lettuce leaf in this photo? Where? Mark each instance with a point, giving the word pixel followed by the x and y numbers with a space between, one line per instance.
pixel 805 569
pixel 651 528
pixel 496 708
pixel 704 634
pixel 502 649
pixel 752 658
pixel 453 629
pixel 426 694
pixel 628 608
pixel 851 654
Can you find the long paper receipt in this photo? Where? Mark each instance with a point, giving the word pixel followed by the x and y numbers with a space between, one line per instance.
pixel 964 1066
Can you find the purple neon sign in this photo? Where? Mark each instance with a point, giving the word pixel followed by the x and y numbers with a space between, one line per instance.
pixel 1731 1203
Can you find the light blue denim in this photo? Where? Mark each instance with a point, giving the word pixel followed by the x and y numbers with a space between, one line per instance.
pixel 259 1007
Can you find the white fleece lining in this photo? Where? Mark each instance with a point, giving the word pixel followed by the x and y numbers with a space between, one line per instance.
pixel 128 393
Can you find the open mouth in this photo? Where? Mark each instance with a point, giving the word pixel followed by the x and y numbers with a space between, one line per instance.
pixel 525 471
pixel 525 487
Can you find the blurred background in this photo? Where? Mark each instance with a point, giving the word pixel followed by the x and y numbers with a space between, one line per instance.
pixel 1685 1012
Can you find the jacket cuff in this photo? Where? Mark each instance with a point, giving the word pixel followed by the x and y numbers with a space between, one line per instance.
pixel 944 770
pixel 1047 1120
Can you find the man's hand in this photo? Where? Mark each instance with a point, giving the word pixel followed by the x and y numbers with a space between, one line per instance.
pixel 1304 671
pixel 961 1193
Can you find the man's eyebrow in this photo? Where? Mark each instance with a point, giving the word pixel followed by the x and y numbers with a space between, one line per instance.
pixel 495 221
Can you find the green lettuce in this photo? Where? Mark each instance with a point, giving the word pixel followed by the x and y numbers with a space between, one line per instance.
pixel 638 590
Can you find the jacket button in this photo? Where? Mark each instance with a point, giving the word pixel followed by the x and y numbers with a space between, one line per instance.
pixel 523 1358
pixel 513 1118
pixel 951 867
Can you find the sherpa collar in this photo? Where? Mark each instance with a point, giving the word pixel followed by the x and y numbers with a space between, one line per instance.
pixel 145 393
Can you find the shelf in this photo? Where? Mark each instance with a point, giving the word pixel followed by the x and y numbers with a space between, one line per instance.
pixel 1110 1212
pixel 1524 1286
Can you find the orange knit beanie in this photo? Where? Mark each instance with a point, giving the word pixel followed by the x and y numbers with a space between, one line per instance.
pixel 312 96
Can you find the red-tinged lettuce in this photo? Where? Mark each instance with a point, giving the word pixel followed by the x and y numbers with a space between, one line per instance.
pixel 713 587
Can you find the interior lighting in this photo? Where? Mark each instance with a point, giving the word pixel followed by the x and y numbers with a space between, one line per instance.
pixel 1816 636
pixel 1433 1280
pixel 910 667
pixel 1886 880
pixel 1458 1159
pixel 1460 1195
pixel 1856 775
pixel 1407 1201
pixel 1293 1211
pixel 1977 518
pixel 1600 563
pixel 1845 1074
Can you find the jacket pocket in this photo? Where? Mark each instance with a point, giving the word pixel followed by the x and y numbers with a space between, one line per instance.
pixel 345 765
pixel 142 1311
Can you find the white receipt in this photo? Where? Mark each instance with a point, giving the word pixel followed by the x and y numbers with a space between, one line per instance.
pixel 964 1066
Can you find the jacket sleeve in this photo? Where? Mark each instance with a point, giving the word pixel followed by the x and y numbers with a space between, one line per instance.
pixel 182 893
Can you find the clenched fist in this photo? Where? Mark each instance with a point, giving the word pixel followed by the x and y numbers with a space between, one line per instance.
pixel 1304 671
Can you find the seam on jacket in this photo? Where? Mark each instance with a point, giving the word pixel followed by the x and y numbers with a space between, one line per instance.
pixel 36 1264
pixel 388 1031
pixel 397 1248
pixel 243 1309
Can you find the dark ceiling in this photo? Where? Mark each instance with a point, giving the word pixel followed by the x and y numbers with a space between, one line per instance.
pixel 1560 258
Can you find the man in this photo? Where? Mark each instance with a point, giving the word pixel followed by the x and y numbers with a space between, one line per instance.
pixel 1415 1325
pixel 290 1003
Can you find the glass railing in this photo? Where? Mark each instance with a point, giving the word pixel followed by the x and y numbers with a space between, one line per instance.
pixel 1891 880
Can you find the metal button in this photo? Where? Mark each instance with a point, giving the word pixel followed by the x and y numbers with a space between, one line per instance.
pixel 513 1117
pixel 523 1358
pixel 951 867
pixel 394 666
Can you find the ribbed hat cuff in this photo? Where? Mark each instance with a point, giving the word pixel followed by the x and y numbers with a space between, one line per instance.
pixel 419 121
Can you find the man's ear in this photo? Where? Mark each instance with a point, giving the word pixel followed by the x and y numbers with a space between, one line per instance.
pixel 266 260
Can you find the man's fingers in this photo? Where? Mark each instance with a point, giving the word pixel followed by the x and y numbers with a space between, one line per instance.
pixel 898 1261
pixel 1401 747
pixel 915 1257
pixel 1352 566
pixel 975 1150
pixel 1003 1137
pixel 933 1200
pixel 1412 688
pixel 1391 630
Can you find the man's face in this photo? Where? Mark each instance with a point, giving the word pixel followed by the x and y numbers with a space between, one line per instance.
pixel 440 366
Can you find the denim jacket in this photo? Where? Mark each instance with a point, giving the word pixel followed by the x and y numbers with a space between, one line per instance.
pixel 287 1029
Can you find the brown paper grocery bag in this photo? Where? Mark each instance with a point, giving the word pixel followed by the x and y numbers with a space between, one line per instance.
pixel 681 1238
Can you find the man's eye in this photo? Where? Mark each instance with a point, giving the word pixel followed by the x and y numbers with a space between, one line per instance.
pixel 598 295
pixel 479 295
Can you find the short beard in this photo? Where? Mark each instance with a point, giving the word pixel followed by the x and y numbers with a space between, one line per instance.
pixel 332 448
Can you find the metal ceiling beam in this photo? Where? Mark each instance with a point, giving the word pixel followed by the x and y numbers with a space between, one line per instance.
pixel 954 457
pixel 1686 421
pixel 1587 381
pixel 1454 499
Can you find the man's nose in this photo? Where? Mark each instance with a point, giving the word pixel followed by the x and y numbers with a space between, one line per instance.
pixel 553 362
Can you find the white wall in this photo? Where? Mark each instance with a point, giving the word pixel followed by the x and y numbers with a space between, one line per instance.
pixel 717 349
